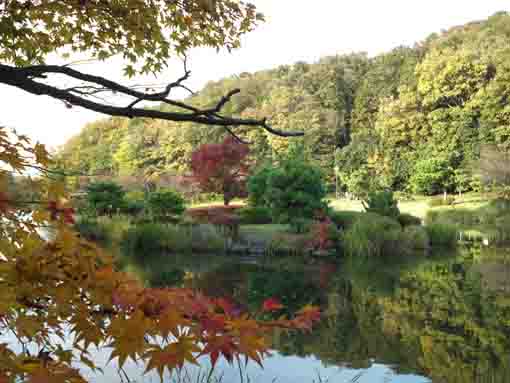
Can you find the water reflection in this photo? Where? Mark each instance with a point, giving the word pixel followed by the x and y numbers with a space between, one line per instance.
pixel 440 319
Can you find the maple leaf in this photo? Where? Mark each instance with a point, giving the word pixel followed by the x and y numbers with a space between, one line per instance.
pixel 172 355
pixel 306 317
pixel 220 345
pixel 253 346
pixel 271 304
pixel 170 322
pixel 213 324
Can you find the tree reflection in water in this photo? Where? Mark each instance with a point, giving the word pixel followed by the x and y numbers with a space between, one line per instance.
pixel 445 317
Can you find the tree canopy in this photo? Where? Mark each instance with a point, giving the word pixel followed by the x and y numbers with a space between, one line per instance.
pixel 372 117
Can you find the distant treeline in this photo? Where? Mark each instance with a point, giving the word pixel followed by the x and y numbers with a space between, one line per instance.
pixel 397 118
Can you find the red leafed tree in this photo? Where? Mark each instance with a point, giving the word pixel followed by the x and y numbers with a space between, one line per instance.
pixel 221 168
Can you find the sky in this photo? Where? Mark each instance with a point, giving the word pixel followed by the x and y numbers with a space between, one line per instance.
pixel 296 30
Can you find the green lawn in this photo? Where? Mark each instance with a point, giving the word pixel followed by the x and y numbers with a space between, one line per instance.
pixel 420 205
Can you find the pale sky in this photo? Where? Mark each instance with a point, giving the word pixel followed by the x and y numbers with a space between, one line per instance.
pixel 295 30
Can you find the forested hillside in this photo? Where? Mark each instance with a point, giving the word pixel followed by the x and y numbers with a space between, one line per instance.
pixel 410 114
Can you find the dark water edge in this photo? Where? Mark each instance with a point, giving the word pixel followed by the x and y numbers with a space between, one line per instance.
pixel 444 318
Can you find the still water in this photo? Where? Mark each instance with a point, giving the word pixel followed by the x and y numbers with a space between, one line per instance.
pixel 409 320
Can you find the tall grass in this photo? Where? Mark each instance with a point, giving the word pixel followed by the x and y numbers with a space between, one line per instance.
pixel 490 222
pixel 143 239
pixel 442 235
pixel 104 230
pixel 372 235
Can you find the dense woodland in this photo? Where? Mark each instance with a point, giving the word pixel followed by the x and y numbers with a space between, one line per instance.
pixel 414 118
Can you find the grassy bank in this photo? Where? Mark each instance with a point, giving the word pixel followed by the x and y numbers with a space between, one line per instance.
pixel 356 233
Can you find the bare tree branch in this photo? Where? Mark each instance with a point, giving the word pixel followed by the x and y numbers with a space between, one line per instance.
pixel 25 79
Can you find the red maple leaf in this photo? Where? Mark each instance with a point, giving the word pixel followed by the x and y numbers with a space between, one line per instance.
pixel 68 214
pixel 272 304
pixel 213 324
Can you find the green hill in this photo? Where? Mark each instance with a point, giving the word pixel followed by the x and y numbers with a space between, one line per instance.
pixel 413 110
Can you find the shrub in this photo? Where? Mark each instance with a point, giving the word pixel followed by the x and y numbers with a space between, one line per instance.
pixel 408 220
pixel 442 235
pixel 372 235
pixel 167 278
pixel 256 215
pixel 105 197
pixel 345 219
pixel 116 226
pixel 166 205
pixel 205 239
pixel 415 238
pixel 91 230
pixel 134 203
pixel 382 203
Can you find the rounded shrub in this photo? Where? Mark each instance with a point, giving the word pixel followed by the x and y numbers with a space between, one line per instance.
pixel 255 215
pixel 105 197
pixel 92 230
pixel 134 203
pixel 345 219
pixel 442 235
pixel 167 278
pixel 166 205
pixel 406 219
pixel 415 238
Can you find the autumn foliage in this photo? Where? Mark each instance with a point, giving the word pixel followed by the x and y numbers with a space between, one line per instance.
pixel 65 288
pixel 221 168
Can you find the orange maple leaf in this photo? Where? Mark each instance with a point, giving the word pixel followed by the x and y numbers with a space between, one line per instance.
pixel 220 345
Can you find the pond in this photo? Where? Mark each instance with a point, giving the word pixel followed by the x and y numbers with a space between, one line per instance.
pixel 429 319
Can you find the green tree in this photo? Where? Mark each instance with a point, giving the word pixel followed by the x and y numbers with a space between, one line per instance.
pixel 431 175
pixel 166 204
pixel 293 190
pixel 382 203
pixel 105 197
